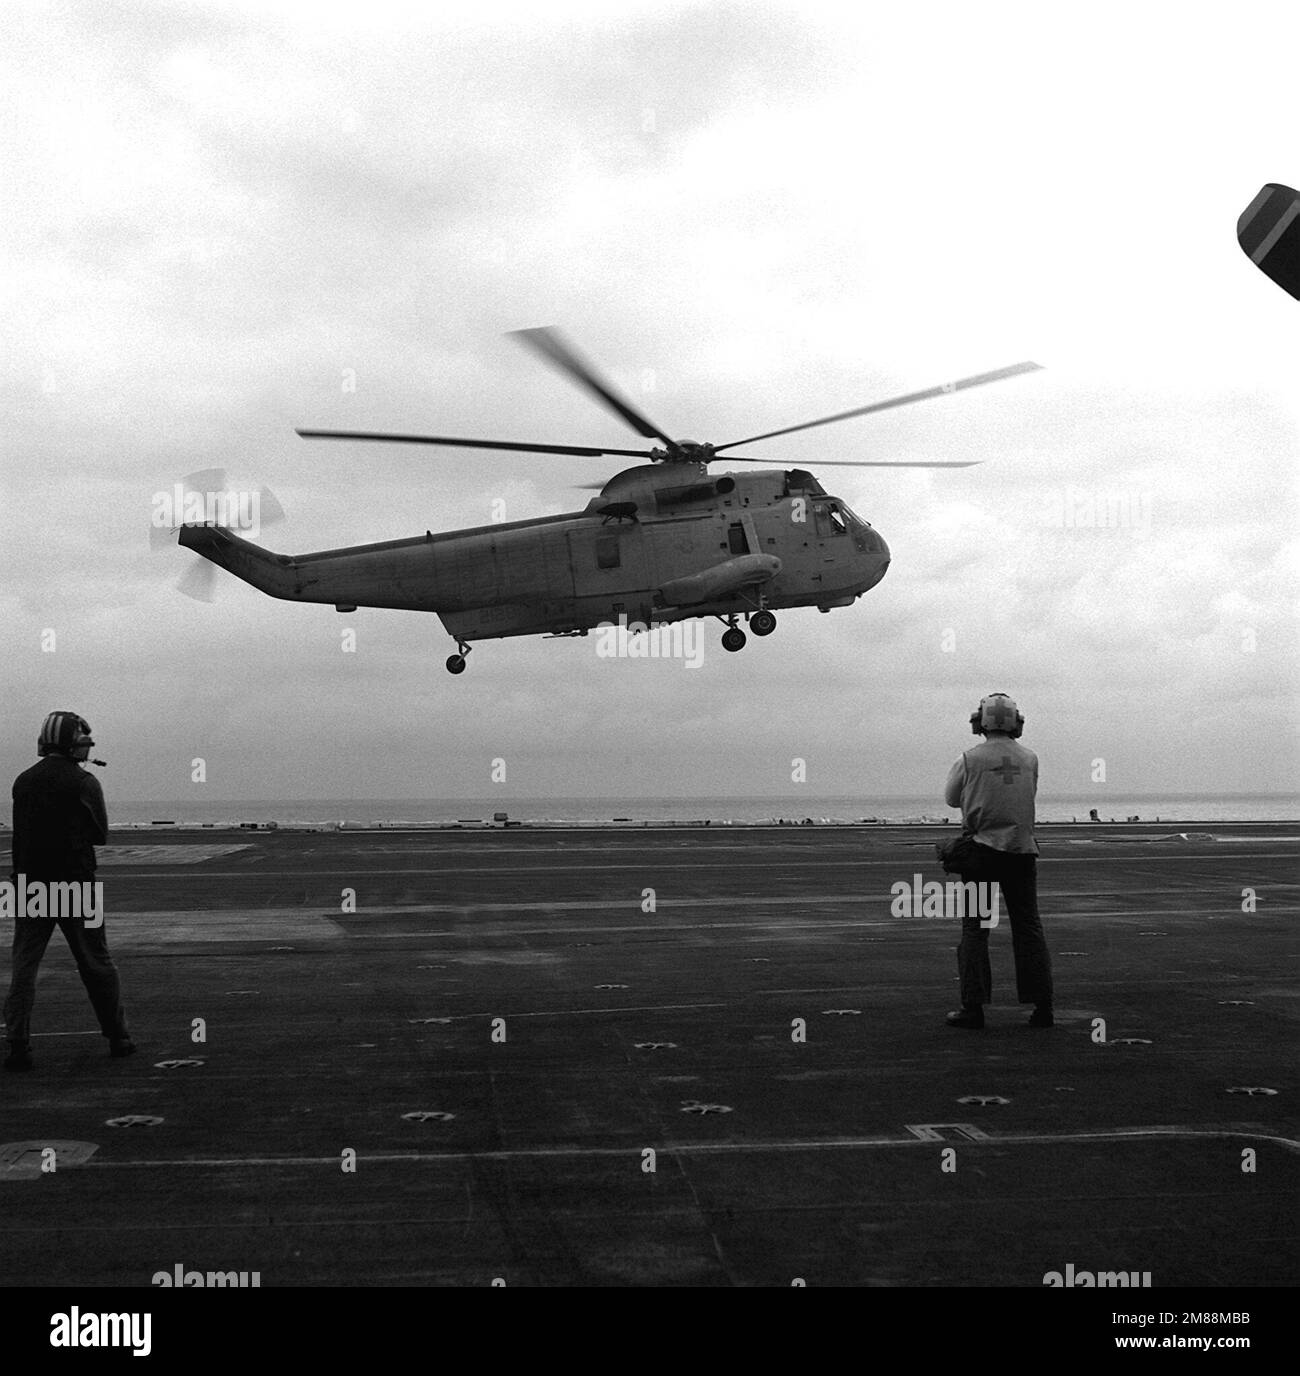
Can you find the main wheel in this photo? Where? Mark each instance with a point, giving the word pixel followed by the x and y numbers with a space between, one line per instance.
pixel 733 639
pixel 762 623
pixel 455 664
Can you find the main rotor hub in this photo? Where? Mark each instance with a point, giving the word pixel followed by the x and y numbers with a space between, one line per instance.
pixel 683 451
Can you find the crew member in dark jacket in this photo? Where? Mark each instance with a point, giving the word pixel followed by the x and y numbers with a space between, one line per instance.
pixel 994 784
pixel 59 819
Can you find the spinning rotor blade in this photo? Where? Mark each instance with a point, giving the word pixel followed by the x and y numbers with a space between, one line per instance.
pixel 469 444
pixel 213 494
pixel 555 349
pixel 866 463
pixel 209 480
pixel 199 581
pixel 965 382
pixel 270 512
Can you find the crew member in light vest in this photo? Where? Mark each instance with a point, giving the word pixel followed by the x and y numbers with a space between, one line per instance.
pixel 994 784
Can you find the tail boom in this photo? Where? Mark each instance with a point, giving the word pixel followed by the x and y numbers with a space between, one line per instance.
pixel 400 574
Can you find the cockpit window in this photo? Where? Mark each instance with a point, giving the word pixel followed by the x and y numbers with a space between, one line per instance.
pixel 797 480
pixel 830 521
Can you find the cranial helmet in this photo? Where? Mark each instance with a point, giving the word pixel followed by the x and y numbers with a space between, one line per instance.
pixel 65 733
pixel 997 712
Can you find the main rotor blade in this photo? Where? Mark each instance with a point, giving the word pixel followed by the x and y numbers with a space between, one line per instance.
pixel 555 349
pixel 865 463
pixel 469 444
pixel 978 380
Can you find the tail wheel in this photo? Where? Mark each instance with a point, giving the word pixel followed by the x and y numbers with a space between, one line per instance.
pixel 455 664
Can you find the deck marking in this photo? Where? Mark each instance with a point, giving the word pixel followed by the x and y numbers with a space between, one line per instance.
pixel 25 1160
pixel 595 867
pixel 165 855
pixel 936 1132
pixel 747 1147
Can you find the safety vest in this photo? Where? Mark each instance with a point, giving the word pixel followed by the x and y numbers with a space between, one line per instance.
pixel 996 782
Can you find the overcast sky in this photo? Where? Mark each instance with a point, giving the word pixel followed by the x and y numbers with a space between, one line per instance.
pixel 223 221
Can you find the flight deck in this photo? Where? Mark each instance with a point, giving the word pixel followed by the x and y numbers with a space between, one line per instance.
pixel 662 1056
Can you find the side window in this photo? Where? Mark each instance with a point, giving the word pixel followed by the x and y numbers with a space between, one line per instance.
pixel 829 520
pixel 607 555
pixel 737 541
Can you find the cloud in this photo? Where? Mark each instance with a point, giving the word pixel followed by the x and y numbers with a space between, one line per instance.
pixel 228 221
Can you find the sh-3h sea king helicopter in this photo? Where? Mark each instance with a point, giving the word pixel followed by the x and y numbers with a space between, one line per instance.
pixel 664 541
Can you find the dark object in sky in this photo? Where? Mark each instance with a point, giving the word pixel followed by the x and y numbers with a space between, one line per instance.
pixel 1269 234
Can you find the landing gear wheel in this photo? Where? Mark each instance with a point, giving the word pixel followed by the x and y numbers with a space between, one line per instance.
pixel 734 639
pixel 455 664
pixel 762 623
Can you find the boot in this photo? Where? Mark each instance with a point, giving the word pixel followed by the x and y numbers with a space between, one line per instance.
pixel 19 1057
pixel 971 1015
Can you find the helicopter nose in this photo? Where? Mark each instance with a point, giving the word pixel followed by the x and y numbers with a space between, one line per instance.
pixel 877 560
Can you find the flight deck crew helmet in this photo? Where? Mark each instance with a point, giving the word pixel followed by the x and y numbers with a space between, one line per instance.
pixel 65 733
pixel 997 712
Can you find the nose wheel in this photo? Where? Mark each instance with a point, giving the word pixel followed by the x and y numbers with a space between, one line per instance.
pixel 456 662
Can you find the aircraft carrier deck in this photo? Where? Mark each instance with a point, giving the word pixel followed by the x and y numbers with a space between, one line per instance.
pixel 545 1083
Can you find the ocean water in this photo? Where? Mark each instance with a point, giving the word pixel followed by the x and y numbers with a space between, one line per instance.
pixel 794 807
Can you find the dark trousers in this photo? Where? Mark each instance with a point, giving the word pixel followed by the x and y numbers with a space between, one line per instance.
pixel 1017 880
pixel 89 949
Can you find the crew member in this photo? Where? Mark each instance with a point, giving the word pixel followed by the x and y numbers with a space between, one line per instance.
pixel 59 819
pixel 994 784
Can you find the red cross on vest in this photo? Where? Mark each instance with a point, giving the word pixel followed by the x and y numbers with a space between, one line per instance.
pixel 998 712
pixel 1006 769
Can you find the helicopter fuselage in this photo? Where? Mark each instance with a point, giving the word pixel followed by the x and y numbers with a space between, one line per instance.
pixel 662 542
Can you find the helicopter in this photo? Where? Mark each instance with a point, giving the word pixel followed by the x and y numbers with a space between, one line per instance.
pixel 662 541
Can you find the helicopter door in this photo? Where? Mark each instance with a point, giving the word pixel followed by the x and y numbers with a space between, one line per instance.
pixel 742 537
pixel 609 569
pixel 832 530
